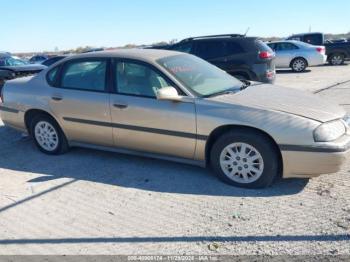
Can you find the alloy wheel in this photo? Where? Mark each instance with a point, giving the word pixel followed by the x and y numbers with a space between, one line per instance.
pixel 337 59
pixel 298 65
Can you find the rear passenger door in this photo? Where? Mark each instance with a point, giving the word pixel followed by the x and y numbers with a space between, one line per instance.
pixel 79 98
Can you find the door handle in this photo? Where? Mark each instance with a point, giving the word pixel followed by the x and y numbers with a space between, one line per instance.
pixel 56 98
pixel 120 106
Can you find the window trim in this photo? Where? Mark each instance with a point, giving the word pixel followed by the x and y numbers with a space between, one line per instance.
pixel 113 80
pixel 224 42
pixel 58 80
pixel 287 50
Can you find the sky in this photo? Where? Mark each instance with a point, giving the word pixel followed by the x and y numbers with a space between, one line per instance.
pixel 38 25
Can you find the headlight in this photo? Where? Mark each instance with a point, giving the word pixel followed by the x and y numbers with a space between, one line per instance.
pixel 347 123
pixel 329 131
pixel 347 120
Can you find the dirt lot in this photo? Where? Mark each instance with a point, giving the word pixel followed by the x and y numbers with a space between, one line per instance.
pixel 91 202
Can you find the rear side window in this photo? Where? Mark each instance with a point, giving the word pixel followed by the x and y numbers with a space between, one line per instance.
pixel 85 75
pixel 272 46
pixel 313 39
pixel 210 49
pixel 2 61
pixel 297 38
pixel 51 76
pixel 185 48
pixel 285 47
pixel 233 48
pixel 263 47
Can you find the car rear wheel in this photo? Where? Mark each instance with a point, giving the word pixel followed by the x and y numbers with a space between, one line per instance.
pixel 337 59
pixel 48 136
pixel 299 65
pixel 247 160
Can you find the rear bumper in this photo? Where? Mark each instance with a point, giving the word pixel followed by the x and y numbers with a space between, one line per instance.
pixel 318 59
pixel 315 161
pixel 12 118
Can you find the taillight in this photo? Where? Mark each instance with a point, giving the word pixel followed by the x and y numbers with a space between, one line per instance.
pixel 1 92
pixel 270 74
pixel 265 55
pixel 320 49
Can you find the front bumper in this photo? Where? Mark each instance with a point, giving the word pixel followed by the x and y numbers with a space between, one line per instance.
pixel 315 161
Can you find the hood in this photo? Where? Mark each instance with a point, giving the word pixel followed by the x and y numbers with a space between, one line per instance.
pixel 287 100
pixel 25 68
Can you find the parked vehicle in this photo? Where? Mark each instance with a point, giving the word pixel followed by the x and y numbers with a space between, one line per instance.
pixel 4 75
pixel 246 58
pixel 297 55
pixel 341 40
pixel 337 53
pixel 38 59
pixel 53 60
pixel 17 66
pixel 176 106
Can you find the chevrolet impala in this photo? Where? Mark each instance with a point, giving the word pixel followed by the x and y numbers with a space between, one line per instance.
pixel 175 106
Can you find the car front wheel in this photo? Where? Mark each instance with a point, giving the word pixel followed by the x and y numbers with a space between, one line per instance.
pixel 48 136
pixel 245 159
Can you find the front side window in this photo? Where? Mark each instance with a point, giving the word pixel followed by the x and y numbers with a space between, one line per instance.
pixel 138 79
pixel 199 76
pixel 86 75
pixel 12 61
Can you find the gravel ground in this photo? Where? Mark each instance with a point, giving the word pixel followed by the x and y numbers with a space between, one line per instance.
pixel 92 202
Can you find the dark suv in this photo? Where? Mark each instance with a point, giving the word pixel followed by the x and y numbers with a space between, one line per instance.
pixel 243 57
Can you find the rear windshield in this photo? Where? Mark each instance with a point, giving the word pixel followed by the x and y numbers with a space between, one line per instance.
pixel 262 46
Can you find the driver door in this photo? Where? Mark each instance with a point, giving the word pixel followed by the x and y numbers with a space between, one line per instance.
pixel 143 123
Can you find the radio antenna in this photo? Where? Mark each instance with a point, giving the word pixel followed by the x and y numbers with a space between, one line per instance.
pixel 246 32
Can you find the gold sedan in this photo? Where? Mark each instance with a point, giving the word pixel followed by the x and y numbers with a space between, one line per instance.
pixel 175 106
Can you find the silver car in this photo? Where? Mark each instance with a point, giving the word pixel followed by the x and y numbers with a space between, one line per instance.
pixel 297 55
pixel 176 106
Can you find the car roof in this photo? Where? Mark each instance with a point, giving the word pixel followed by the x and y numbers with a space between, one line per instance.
pixel 284 41
pixel 143 54
pixel 301 34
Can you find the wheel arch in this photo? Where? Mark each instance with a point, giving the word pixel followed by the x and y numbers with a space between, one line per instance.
pixel 334 52
pixel 31 113
pixel 219 131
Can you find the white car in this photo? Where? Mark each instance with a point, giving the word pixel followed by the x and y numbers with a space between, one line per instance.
pixel 297 55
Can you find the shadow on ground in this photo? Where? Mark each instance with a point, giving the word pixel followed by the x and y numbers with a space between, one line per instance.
pixel 20 154
pixel 289 71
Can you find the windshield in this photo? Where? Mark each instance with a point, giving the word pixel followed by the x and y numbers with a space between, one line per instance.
pixel 11 61
pixel 199 76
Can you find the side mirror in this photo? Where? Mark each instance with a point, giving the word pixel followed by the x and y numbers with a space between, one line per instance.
pixel 168 93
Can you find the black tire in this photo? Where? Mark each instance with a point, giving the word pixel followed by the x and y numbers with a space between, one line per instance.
pixel 336 59
pixel 298 65
pixel 62 146
pixel 264 146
